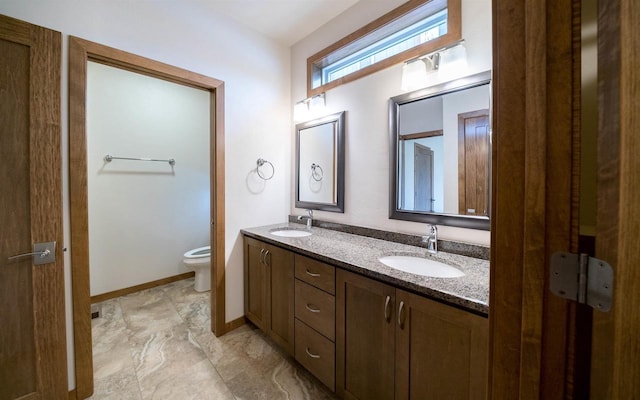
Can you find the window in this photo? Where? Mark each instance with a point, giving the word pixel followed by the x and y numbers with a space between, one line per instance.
pixel 413 29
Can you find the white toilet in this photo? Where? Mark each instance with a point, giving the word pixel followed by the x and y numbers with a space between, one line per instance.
pixel 199 260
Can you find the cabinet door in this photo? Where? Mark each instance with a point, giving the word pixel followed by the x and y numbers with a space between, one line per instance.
pixel 256 305
pixel 281 296
pixel 441 352
pixel 365 338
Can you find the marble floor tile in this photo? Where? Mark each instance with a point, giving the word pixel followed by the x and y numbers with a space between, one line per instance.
pixel 157 344
pixel 149 311
pixel 254 368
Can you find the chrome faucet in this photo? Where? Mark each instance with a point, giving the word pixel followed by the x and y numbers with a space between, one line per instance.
pixel 309 218
pixel 431 239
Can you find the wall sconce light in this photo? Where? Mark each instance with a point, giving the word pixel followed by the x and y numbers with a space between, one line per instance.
pixel 449 62
pixel 453 62
pixel 415 73
pixel 309 108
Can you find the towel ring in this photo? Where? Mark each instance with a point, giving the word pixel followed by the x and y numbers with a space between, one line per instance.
pixel 262 162
pixel 314 172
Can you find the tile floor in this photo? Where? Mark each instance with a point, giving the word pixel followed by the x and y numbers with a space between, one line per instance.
pixel 156 344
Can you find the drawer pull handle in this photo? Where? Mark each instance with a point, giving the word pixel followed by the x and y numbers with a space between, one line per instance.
pixel 311 308
pixel 310 354
pixel 262 256
pixel 267 254
pixel 387 316
pixel 312 274
pixel 401 315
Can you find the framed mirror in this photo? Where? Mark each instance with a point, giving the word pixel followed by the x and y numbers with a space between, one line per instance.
pixel 320 163
pixel 440 153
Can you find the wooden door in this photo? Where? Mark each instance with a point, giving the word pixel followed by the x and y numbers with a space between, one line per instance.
pixel 281 296
pixel 441 351
pixel 422 178
pixel 365 338
pixel 615 372
pixel 32 332
pixel 473 163
pixel 256 306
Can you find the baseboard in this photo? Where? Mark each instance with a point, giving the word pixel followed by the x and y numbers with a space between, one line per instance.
pixel 235 324
pixel 121 292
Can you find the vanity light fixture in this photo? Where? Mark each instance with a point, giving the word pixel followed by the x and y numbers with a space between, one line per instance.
pixel 449 62
pixel 415 73
pixel 309 108
pixel 453 63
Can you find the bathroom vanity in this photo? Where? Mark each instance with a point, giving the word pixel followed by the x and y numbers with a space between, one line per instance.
pixel 364 329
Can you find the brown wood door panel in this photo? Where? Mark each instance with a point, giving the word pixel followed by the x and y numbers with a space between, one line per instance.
pixel 365 339
pixel 441 352
pixel 32 337
pixel 615 357
pixel 280 291
pixel 255 276
pixel 473 163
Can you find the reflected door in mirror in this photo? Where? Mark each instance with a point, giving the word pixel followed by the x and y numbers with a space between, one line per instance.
pixel 473 163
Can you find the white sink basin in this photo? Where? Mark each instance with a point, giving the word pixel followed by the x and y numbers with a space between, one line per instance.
pixel 421 266
pixel 290 233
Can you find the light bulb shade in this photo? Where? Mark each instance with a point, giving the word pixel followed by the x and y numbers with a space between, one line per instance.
pixel 301 111
pixel 317 103
pixel 414 75
pixel 453 62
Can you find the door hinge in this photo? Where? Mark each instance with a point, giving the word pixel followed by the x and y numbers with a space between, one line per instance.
pixel 581 278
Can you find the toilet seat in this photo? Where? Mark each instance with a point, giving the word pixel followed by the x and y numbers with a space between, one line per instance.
pixel 200 252
pixel 199 260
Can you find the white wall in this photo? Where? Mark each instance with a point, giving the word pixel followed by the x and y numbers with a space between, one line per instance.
pixel 366 103
pixel 256 72
pixel 143 216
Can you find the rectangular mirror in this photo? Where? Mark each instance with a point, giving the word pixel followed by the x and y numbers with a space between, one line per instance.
pixel 440 140
pixel 320 163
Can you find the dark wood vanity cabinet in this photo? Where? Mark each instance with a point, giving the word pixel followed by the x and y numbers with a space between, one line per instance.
pixel 363 338
pixel 315 318
pixel 392 344
pixel 269 290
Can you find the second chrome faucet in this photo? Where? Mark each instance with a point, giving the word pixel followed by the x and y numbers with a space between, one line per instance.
pixel 309 218
pixel 431 239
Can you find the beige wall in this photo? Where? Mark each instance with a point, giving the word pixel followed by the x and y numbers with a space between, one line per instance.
pixel 366 103
pixel 257 100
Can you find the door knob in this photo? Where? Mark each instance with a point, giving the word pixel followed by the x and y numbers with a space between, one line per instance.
pixel 43 253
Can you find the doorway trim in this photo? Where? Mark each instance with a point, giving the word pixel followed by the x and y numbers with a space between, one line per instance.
pixel 535 188
pixel 80 52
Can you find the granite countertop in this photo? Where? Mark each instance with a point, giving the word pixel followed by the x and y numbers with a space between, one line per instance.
pixel 360 254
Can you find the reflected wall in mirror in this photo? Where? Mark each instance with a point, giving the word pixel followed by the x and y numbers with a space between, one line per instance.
pixel 441 153
pixel 320 163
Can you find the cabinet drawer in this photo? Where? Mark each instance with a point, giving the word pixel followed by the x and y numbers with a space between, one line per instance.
pixel 316 273
pixel 316 308
pixel 316 353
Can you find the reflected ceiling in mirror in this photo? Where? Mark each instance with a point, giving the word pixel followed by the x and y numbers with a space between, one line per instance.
pixel 320 164
pixel 440 141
